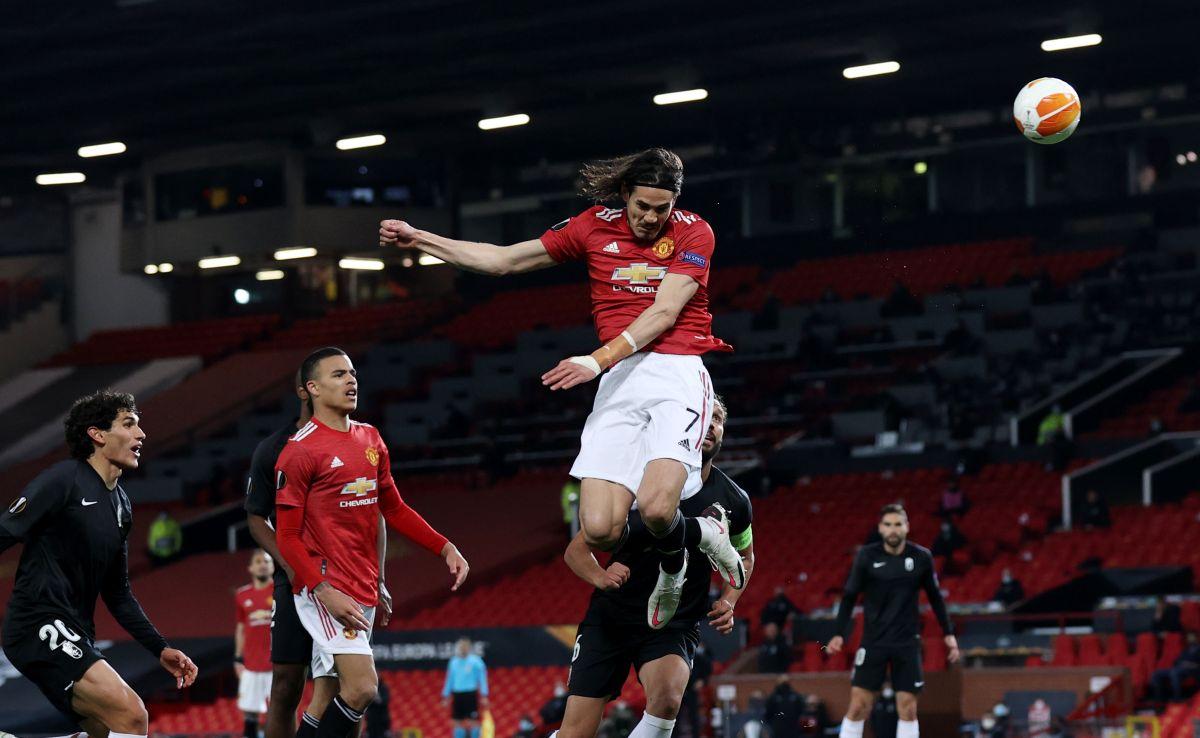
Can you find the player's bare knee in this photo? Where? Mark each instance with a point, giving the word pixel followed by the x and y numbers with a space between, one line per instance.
pixel 664 705
pixel 658 514
pixel 906 706
pixel 130 715
pixel 359 693
pixel 603 537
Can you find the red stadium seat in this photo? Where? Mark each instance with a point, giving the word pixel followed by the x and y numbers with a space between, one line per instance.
pixel 1064 651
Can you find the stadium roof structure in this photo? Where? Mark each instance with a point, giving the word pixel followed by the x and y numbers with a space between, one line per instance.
pixel 164 74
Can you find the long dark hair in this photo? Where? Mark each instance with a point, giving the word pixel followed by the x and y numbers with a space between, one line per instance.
pixel 602 180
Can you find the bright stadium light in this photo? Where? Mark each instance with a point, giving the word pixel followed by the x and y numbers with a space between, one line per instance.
pixel 298 252
pixel 104 149
pixel 504 121
pixel 166 267
pixel 268 275
pixel 670 98
pixel 150 269
pixel 361 142
pixel 870 70
pixel 241 296
pixel 216 262
pixel 429 260
pixel 1071 42
pixel 58 178
pixel 373 265
pixel 920 167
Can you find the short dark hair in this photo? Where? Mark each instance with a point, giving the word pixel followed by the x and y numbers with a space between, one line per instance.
pixel 893 508
pixel 97 410
pixel 308 367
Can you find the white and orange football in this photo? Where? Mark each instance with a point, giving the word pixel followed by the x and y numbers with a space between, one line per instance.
pixel 1047 110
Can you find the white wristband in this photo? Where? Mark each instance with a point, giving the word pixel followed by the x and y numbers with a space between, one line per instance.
pixel 587 361
pixel 629 337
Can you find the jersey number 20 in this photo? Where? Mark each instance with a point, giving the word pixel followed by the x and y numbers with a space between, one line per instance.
pixel 51 632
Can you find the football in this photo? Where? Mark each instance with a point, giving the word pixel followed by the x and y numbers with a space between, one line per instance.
pixel 1047 110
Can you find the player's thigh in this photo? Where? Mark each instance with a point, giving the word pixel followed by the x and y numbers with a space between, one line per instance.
pixel 583 717
pixel 600 662
pixel 287 685
pixel 102 694
pixel 603 508
pixel 664 679
pixel 908 674
pixel 870 668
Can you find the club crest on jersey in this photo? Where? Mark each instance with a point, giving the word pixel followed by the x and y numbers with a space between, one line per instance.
pixel 350 633
pixel 908 563
pixel 664 248
pixel 372 457
pixel 18 506
pixel 639 273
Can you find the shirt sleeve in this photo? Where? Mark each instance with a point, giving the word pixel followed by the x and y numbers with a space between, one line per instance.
pixel 566 241
pixel 125 609
pixel 483 685
pixel 929 582
pixel 741 533
pixel 260 485
pixel 42 498
pixel 293 475
pixel 402 518
pixel 694 253
pixel 850 592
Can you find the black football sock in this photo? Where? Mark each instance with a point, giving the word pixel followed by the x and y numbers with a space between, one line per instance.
pixel 250 727
pixel 339 721
pixel 669 544
pixel 308 726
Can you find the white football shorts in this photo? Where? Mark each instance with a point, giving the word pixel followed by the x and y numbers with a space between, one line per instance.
pixel 329 636
pixel 254 689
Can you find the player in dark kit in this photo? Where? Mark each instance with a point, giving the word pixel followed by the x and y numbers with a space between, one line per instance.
pixel 648 266
pixel 73 520
pixel 614 635
pixel 890 574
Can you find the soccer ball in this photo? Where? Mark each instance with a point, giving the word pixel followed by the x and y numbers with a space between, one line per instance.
pixel 1047 110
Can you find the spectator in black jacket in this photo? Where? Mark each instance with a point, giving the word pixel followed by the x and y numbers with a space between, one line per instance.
pixel 1094 513
pixel 779 609
pixel 783 710
pixel 1010 590
pixel 775 654
pixel 1186 666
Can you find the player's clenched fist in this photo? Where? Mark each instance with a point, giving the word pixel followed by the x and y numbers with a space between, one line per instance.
pixel 396 232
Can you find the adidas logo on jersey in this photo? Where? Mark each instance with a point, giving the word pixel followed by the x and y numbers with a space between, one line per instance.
pixel 685 444
pixel 336 463
pixel 612 248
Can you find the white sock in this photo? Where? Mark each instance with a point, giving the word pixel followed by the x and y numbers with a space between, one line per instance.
pixel 907 729
pixel 125 735
pixel 652 727
pixel 852 728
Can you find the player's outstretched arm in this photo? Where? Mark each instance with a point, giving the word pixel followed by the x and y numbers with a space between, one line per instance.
pixel 484 258
pixel 673 295
pixel 126 610
pixel 582 562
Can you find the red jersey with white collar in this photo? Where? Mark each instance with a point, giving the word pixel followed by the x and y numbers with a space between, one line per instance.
pixel 626 273
pixel 253 606
pixel 340 482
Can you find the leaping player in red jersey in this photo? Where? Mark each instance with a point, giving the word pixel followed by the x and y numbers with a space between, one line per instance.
pixel 649 264
pixel 334 479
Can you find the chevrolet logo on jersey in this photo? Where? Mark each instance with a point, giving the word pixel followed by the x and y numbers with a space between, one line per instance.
pixel 359 488
pixel 640 273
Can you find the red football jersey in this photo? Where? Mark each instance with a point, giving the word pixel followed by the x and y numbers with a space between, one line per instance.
pixel 343 482
pixel 254 613
pixel 625 273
